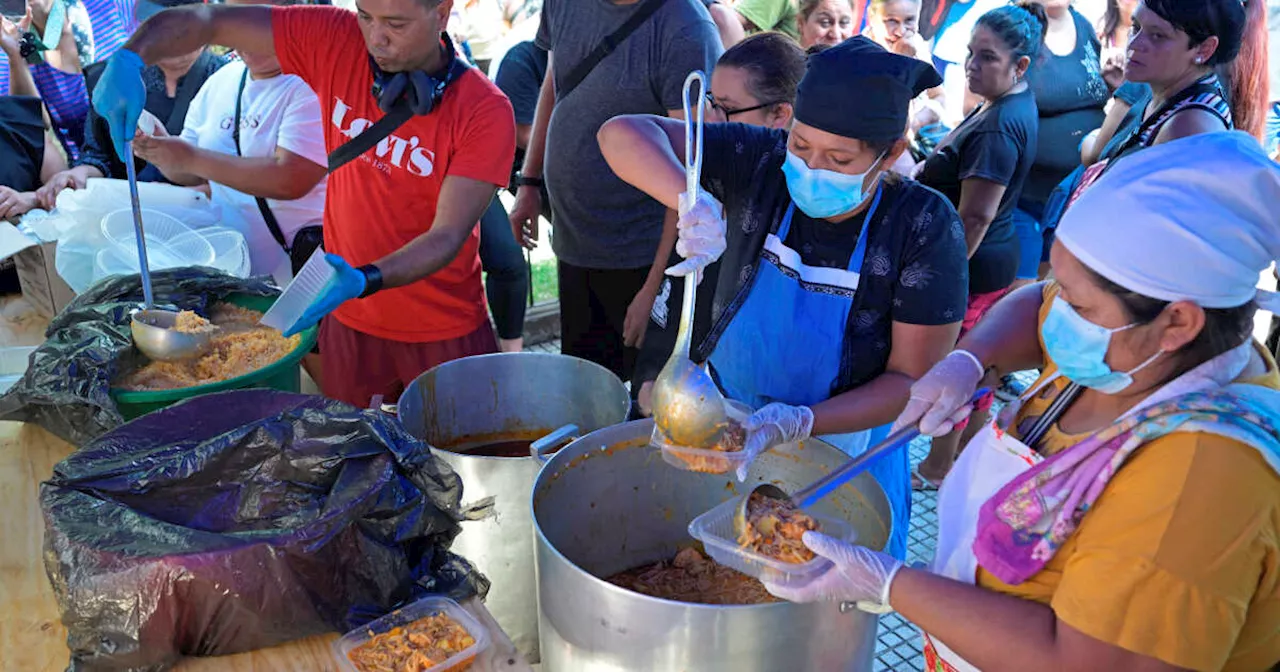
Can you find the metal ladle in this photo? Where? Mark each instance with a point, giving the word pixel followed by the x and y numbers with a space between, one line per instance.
pixel 809 495
pixel 687 405
pixel 153 328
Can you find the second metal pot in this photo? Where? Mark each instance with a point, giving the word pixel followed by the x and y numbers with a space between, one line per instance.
pixel 507 397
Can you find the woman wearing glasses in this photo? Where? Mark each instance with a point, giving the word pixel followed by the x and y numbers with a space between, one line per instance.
pixel 754 83
pixel 840 282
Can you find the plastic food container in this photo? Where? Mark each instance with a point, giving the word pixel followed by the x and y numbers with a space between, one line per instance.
pixel 715 530
pixel 170 243
pixel 704 460
pixel 302 290
pixel 427 606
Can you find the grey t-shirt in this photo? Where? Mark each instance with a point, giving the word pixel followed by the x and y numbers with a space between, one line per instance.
pixel 600 221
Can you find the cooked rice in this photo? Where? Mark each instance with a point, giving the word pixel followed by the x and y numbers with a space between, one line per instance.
pixel 239 347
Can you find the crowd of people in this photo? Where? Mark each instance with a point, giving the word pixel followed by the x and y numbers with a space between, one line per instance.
pixel 902 201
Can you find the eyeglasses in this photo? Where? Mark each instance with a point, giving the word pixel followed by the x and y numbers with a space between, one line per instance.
pixel 715 105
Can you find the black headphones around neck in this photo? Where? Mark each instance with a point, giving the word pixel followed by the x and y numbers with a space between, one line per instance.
pixel 421 90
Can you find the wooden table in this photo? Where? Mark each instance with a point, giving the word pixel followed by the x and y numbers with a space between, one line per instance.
pixel 32 638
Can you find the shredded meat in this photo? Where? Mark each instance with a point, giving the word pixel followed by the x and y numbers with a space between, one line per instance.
pixel 774 529
pixel 415 647
pixel 733 439
pixel 240 346
pixel 695 578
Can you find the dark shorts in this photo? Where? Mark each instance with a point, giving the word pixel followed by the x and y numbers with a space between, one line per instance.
pixel 358 366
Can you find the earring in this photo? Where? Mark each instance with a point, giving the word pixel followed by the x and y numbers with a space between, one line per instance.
pixel 1199 60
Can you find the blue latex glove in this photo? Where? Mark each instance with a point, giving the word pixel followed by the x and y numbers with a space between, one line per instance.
pixel 120 96
pixel 346 284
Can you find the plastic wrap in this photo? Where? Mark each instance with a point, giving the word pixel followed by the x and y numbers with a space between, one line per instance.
pixel 242 520
pixel 65 388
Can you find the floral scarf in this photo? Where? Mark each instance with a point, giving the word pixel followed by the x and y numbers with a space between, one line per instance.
pixel 1028 520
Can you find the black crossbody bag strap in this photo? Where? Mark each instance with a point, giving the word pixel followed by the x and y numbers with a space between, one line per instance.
pixel 607 46
pixel 371 136
pixel 263 208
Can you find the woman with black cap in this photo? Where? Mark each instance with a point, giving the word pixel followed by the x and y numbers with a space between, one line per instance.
pixel 840 284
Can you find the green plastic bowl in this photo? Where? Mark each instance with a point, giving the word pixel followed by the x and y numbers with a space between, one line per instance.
pixel 283 374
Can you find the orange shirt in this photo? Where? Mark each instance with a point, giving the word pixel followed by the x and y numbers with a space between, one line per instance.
pixel 1179 559
pixel 382 200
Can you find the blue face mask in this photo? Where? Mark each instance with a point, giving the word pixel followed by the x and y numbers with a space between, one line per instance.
pixel 822 193
pixel 1079 348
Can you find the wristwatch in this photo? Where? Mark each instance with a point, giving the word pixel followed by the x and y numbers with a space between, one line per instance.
pixel 522 181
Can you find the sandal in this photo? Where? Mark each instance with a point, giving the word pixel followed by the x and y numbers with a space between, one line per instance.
pixel 922 483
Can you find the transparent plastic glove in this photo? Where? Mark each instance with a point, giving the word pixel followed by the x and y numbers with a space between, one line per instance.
pixel 348 283
pixel 857 574
pixel 940 399
pixel 774 425
pixel 701 234
pixel 120 95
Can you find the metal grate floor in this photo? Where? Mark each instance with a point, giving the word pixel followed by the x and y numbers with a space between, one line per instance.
pixel 898 647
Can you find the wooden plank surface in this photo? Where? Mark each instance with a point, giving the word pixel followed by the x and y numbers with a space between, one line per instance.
pixel 32 638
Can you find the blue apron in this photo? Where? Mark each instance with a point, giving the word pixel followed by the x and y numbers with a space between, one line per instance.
pixel 785 344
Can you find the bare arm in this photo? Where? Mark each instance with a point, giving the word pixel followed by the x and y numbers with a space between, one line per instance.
pixel 646 152
pixel 1090 153
pixel 523 133
pixel 979 202
pixel 1008 338
pixel 998 632
pixel 285 176
pixel 54 162
pixel 536 145
pixel 728 23
pixel 462 202
pixel 916 348
pixel 182 30
pixel 20 81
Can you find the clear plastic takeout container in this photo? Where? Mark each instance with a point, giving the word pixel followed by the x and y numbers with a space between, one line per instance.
pixel 170 243
pixel 715 530
pixel 302 290
pixel 705 460
pixel 428 606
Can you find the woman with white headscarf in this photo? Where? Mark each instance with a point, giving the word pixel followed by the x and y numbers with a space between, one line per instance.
pixel 1124 514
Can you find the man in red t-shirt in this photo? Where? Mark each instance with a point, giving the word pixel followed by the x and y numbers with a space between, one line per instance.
pixel 400 220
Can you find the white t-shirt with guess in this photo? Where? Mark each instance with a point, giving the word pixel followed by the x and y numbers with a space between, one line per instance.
pixel 280 111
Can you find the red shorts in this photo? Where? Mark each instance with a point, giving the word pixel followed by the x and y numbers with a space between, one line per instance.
pixel 979 305
pixel 358 366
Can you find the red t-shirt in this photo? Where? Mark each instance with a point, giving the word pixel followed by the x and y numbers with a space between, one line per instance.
pixel 383 199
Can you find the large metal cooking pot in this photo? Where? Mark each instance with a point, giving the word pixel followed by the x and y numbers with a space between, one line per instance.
pixel 608 503
pixel 507 397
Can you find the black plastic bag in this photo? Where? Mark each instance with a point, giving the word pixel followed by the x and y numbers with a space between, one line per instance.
pixel 241 520
pixel 65 389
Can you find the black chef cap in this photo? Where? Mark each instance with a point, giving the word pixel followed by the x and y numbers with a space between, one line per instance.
pixel 859 90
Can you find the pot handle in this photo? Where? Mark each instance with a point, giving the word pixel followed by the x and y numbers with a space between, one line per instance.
pixel 540 450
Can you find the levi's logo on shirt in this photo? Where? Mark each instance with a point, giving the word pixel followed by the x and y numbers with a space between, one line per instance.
pixel 391 151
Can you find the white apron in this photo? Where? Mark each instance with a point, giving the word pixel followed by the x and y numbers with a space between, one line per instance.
pixel 994 458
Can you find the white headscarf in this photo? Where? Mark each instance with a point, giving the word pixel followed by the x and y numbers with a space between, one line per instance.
pixel 1196 219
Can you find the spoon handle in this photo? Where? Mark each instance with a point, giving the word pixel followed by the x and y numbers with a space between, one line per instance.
pixel 693 177
pixel 147 298
pixel 824 486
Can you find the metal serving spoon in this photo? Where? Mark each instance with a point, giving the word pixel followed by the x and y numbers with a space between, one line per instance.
pixel 809 495
pixel 152 327
pixel 687 405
